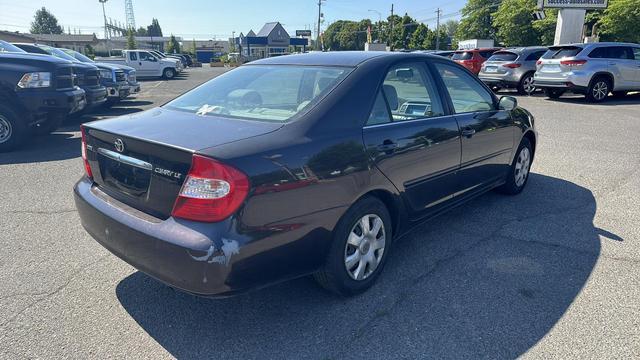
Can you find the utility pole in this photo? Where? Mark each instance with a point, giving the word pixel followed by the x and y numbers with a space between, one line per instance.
pixel 318 42
pixel 391 26
pixel 438 12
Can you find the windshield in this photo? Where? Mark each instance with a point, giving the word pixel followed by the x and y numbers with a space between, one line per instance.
pixel 57 53
pixel 6 47
pixel 261 92
pixel 562 52
pixel 503 56
pixel 462 56
pixel 77 55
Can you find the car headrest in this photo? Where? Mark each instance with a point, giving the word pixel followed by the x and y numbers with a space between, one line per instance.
pixel 392 95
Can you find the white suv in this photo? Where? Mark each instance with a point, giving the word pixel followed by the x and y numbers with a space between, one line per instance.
pixel 594 70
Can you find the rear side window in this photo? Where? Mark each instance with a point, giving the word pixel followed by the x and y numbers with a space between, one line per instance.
pixel 133 56
pixel 487 53
pixel 562 52
pixel 410 93
pixel 535 56
pixel 466 93
pixel 380 112
pixel 503 56
pixel 612 52
pixel 467 55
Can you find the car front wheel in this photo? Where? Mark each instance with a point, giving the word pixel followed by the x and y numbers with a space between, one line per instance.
pixel 169 73
pixel 12 130
pixel 359 248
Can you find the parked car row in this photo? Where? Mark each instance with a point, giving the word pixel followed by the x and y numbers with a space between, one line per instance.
pixel 40 86
pixel 594 70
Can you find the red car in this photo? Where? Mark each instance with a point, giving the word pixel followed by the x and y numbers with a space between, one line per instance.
pixel 473 59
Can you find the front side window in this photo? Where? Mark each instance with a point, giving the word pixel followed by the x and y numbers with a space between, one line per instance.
pixel 466 93
pixel 146 57
pixel 261 92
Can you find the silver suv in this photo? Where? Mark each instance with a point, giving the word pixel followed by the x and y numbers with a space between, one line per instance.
pixel 594 70
pixel 512 68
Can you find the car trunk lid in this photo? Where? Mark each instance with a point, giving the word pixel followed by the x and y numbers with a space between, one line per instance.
pixel 143 160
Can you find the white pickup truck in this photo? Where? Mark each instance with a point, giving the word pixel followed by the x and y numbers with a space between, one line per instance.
pixel 146 63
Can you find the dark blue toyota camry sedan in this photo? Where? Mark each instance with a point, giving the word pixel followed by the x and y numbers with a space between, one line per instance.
pixel 297 165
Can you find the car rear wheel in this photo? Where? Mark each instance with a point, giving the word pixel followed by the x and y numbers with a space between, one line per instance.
pixel 519 171
pixel 169 73
pixel 359 249
pixel 598 90
pixel 526 87
pixel 553 93
pixel 12 130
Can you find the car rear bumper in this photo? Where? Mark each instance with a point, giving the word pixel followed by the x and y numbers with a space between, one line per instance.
pixel 501 82
pixel 560 85
pixel 206 259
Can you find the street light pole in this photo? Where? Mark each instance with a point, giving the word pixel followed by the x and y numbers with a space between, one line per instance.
pixel 379 23
pixel 106 34
pixel 319 16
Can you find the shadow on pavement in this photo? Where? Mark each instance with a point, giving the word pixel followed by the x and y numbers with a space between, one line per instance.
pixel 631 99
pixel 488 279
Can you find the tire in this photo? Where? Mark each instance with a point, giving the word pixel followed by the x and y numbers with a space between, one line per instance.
pixel 13 132
pixel 598 89
pixel 553 93
pixel 168 73
pixel 515 181
pixel 334 276
pixel 525 86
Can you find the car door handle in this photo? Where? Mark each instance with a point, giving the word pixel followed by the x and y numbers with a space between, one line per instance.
pixel 468 132
pixel 387 146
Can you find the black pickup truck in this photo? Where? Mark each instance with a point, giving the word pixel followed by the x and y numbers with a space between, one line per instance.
pixel 36 93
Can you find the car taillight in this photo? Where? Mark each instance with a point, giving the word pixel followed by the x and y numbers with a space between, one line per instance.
pixel 573 62
pixel 539 62
pixel 211 192
pixel 87 167
pixel 512 65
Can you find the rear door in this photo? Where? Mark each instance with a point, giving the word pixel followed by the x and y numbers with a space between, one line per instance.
pixel 412 139
pixel 487 133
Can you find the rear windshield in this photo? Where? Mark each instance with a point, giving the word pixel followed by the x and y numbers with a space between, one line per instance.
pixel 462 56
pixel 503 56
pixel 261 92
pixel 562 52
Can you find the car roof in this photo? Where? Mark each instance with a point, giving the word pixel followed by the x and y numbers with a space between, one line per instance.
pixel 595 44
pixel 333 58
pixel 524 48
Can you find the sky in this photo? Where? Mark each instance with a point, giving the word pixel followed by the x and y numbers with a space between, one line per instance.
pixel 212 19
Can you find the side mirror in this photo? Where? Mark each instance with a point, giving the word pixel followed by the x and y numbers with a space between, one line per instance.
pixel 507 103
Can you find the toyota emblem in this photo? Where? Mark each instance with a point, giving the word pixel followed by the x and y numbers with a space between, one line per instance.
pixel 119 144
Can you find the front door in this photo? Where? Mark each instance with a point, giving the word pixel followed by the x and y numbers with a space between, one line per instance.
pixel 148 64
pixel 487 133
pixel 412 140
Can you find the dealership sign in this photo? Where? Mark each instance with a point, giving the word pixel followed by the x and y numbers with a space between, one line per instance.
pixel 303 33
pixel 575 4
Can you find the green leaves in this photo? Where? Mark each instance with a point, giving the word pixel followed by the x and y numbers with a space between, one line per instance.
pixel 45 23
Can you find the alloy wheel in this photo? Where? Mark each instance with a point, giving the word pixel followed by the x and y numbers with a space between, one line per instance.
pixel 365 247
pixel 600 90
pixel 522 166
pixel 528 86
pixel 5 129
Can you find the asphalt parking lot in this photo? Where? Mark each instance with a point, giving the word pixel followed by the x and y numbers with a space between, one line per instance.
pixel 551 273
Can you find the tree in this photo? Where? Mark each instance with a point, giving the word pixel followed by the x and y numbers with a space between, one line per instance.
pixel 346 35
pixel 154 29
pixel 620 21
pixel 142 31
pixel 131 40
pixel 173 46
pixel 546 28
pixel 194 47
pixel 477 21
pixel 406 29
pixel 45 23
pixel 89 51
pixel 420 39
pixel 514 23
